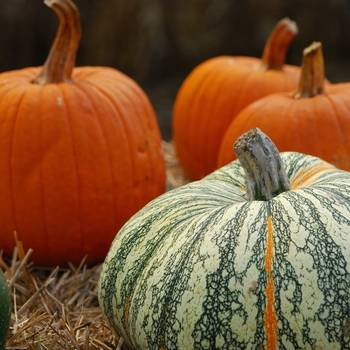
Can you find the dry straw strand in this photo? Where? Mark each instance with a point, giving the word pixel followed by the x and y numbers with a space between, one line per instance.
pixel 54 308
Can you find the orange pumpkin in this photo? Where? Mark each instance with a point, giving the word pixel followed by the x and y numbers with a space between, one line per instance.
pixel 80 153
pixel 314 120
pixel 218 89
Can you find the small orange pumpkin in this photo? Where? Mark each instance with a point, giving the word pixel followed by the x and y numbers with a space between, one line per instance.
pixel 80 153
pixel 314 120
pixel 218 89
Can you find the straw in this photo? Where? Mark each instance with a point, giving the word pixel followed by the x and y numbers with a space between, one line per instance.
pixel 55 308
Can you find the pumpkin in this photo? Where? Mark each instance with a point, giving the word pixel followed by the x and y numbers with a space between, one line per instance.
pixel 314 119
pixel 80 153
pixel 218 89
pixel 5 310
pixel 253 256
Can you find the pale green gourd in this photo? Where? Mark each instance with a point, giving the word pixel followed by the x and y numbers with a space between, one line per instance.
pixel 250 257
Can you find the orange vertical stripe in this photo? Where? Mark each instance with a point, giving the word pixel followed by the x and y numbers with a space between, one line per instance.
pixel 270 316
pixel 309 174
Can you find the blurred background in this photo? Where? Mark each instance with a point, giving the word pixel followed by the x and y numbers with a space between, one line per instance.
pixel 158 42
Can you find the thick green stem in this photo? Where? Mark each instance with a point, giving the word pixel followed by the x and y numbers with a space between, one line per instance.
pixel 312 72
pixel 61 59
pixel 277 44
pixel 264 171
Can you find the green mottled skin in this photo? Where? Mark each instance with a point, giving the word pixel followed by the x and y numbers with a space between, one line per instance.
pixel 188 271
pixel 5 310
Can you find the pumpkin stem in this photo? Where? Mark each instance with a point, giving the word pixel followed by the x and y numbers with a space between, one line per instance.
pixel 60 62
pixel 265 176
pixel 312 72
pixel 277 44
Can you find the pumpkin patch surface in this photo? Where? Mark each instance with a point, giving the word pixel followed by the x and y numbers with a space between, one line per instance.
pixel 202 267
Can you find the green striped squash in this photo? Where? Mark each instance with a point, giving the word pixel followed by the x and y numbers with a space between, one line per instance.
pixel 254 256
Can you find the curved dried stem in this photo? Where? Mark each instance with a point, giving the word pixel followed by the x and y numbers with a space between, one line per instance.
pixel 60 62
pixel 312 72
pixel 277 44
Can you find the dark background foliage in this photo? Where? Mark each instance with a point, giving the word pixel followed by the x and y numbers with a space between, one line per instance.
pixel 158 42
